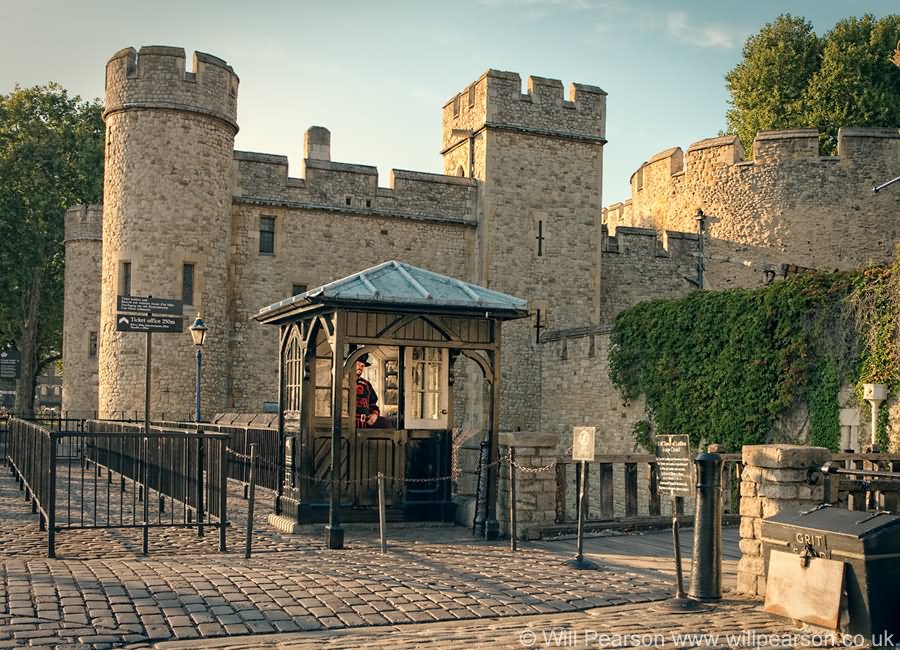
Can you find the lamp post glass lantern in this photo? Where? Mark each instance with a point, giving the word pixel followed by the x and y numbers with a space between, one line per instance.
pixel 198 334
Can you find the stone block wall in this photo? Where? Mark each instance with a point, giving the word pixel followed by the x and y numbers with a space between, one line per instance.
pixel 313 247
pixel 536 489
pixel 775 478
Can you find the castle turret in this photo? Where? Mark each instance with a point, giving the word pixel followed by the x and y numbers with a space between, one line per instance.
pixel 81 311
pixel 166 202
pixel 538 159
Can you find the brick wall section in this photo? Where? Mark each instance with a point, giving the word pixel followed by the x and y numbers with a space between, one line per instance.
pixel 775 478
pixel 640 264
pixel 81 308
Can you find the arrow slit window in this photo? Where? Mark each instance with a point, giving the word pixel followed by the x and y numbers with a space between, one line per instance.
pixel 426 388
pixel 124 278
pixel 187 284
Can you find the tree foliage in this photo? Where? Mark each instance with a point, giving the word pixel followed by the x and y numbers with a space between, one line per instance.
pixel 789 77
pixel 51 157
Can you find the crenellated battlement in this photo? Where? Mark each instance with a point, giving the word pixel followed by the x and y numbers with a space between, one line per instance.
pixel 647 242
pixel 84 222
pixel 352 188
pixel 496 100
pixel 156 78
pixel 788 203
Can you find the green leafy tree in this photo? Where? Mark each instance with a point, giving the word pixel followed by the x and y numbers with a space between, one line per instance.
pixel 790 78
pixel 768 86
pixel 856 83
pixel 51 157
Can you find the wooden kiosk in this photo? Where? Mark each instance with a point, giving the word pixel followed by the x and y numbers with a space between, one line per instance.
pixel 412 324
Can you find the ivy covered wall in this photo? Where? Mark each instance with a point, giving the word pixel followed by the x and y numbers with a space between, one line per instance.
pixel 725 366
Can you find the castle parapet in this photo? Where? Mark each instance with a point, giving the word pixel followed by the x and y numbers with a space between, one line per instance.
pixel 723 150
pixel 84 222
pixel 865 144
pixel 793 144
pixel 156 77
pixel 353 189
pixel 496 100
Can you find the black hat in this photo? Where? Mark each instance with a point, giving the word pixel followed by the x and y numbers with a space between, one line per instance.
pixel 364 359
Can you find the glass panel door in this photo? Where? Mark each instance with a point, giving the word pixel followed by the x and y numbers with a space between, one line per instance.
pixel 426 388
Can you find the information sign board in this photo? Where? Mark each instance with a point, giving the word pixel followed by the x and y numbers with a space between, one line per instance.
pixel 583 443
pixel 149 304
pixel 10 364
pixel 673 461
pixel 133 323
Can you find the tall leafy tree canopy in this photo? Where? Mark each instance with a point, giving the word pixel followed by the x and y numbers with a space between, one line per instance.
pixel 51 157
pixel 789 77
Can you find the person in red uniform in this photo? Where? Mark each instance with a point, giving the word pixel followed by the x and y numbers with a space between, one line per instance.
pixel 366 398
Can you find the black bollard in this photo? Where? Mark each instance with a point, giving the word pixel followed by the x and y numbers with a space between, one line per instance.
pixel 706 574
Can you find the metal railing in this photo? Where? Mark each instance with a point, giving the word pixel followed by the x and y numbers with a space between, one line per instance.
pixel 101 474
pixel 238 451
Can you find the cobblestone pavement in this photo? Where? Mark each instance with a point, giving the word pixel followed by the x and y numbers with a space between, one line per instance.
pixel 100 592
pixel 731 623
pixel 436 587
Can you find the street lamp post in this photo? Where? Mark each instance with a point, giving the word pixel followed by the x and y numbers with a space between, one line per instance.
pixel 198 333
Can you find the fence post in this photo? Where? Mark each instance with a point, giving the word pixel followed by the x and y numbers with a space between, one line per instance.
pixel 655 508
pixel 223 496
pixel 631 490
pixel 251 499
pixel 145 544
pixel 560 493
pixel 200 483
pixel 512 499
pixel 484 457
pixel 381 517
pixel 51 500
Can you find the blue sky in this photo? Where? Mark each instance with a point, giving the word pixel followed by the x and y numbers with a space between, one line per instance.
pixel 377 72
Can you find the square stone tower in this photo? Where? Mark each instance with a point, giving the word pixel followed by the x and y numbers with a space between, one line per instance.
pixel 538 158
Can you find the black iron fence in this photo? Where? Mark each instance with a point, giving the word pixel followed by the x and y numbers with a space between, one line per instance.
pixel 99 474
pixel 237 464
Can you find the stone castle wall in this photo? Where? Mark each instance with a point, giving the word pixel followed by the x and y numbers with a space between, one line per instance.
pixel 787 205
pixel 519 210
pixel 81 309
pixel 313 247
pixel 636 265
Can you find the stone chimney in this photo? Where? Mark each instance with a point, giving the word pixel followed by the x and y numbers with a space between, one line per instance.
pixel 317 143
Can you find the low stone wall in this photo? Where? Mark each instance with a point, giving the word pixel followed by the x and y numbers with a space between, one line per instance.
pixel 775 478
pixel 535 457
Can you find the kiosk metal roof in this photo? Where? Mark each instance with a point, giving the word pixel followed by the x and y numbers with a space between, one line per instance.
pixel 398 286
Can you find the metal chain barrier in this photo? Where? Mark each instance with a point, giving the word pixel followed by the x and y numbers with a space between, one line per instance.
pixel 450 477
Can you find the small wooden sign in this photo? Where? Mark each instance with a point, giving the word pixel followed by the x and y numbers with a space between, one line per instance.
pixel 583 443
pixel 673 462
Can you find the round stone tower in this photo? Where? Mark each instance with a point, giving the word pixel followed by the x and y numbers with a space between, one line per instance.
pixel 166 213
